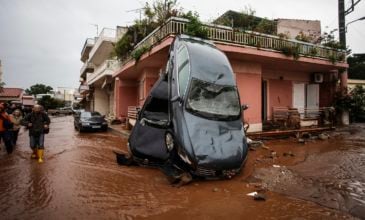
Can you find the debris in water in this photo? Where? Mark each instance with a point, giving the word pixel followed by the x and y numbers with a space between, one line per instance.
pixel 252 194
pixel 259 197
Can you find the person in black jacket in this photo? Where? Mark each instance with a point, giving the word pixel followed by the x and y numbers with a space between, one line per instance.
pixel 38 124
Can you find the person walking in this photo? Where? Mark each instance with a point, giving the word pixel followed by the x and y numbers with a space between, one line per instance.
pixel 38 124
pixel 5 129
pixel 16 118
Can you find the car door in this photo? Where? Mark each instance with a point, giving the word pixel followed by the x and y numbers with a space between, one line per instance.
pixel 147 140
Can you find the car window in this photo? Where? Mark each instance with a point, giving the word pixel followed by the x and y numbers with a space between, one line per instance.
pixel 213 101
pixel 183 69
pixel 89 114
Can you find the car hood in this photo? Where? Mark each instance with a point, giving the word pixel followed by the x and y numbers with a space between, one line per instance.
pixel 217 145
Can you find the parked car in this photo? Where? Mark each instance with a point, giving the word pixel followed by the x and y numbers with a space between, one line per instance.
pixel 88 121
pixel 77 111
pixel 192 119
pixel 60 111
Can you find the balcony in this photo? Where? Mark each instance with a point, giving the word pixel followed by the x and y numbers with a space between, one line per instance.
pixel 107 68
pixel 103 46
pixel 228 35
pixel 89 43
pixel 84 89
pixel 86 68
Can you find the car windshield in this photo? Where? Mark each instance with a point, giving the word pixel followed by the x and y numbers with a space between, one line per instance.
pixel 90 114
pixel 213 101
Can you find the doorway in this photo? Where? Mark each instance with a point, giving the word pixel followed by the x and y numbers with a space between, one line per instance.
pixel 264 100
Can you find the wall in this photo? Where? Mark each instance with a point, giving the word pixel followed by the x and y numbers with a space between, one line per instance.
pixel 145 83
pixel 126 94
pixel 280 87
pixel 293 27
pixel 248 77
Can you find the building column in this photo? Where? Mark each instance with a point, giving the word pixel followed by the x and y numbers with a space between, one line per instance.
pixel 116 97
pixel 345 116
pixel 343 80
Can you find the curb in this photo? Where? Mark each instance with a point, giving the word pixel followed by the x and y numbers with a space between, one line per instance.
pixel 121 133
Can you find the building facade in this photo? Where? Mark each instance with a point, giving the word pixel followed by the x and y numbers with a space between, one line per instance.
pixel 96 83
pixel 266 77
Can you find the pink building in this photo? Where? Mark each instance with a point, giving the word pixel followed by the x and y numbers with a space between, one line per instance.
pixel 266 77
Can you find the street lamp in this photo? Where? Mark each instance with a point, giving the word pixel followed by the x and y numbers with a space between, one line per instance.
pixel 359 19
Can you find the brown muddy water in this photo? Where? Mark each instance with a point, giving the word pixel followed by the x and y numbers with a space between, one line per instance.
pixel 80 179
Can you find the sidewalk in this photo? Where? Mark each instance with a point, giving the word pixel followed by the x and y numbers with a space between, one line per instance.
pixel 118 130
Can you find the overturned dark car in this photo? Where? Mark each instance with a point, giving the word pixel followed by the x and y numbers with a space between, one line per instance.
pixel 191 123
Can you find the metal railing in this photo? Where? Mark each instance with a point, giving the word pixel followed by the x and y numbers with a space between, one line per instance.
pixel 89 42
pixel 87 65
pixel 107 34
pixel 111 65
pixel 219 33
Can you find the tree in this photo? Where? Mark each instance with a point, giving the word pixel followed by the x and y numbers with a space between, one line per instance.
pixel 195 27
pixel 51 103
pixel 38 89
pixel 155 15
pixel 356 66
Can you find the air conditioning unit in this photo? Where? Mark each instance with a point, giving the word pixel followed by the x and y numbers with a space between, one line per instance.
pixel 318 77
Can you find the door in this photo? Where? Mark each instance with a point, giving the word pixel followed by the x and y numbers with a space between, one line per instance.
pixel 313 96
pixel 312 100
pixel 299 97
pixel 147 140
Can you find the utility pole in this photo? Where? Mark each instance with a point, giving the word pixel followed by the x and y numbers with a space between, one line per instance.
pixel 342 12
pixel 342 22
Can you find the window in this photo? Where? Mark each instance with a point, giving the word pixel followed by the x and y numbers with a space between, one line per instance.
pixel 90 114
pixel 183 69
pixel 213 101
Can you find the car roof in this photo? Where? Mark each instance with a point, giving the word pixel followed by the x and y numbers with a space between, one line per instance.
pixel 207 62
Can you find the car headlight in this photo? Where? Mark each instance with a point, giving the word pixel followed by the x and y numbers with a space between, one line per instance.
pixel 105 123
pixel 85 123
pixel 169 142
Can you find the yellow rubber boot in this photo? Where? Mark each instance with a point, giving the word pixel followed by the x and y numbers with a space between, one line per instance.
pixel 40 155
pixel 34 154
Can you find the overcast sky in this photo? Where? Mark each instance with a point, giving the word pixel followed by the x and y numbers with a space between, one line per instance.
pixel 41 40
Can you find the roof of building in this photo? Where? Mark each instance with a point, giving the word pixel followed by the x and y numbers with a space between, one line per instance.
pixel 11 93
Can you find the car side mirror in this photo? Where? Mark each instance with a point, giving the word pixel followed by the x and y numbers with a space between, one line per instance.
pixel 244 107
pixel 176 99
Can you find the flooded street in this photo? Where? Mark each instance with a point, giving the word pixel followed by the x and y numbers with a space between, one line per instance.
pixel 80 179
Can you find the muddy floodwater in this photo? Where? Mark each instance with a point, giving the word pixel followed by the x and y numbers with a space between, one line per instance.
pixel 80 179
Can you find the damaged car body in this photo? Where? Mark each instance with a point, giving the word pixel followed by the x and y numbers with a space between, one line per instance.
pixel 192 120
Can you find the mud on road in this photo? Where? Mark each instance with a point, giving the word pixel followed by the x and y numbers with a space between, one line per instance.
pixel 80 179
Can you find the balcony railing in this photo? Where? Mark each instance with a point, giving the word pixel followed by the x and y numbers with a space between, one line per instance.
pixel 107 34
pixel 86 68
pixel 106 68
pixel 88 43
pixel 226 34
